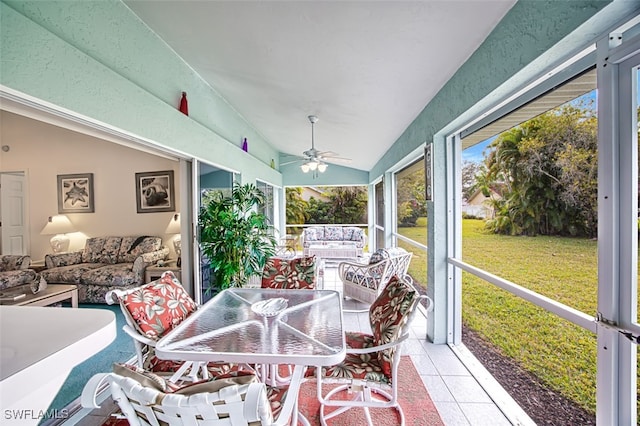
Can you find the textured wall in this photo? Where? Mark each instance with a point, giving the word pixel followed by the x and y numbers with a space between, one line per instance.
pixel 519 43
pixel 99 60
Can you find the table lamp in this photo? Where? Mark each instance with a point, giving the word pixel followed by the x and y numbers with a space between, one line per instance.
pixel 58 226
pixel 174 228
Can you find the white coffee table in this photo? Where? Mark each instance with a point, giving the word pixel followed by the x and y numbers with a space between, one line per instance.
pixel 334 251
pixel 52 294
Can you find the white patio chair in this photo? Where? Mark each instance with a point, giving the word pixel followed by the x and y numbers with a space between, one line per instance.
pixel 238 401
pixel 370 369
pixel 150 311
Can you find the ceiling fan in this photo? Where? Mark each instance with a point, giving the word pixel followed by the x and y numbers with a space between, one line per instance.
pixel 314 160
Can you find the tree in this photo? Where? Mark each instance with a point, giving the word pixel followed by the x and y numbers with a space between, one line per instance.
pixel 469 171
pixel 547 167
pixel 296 206
pixel 411 196
pixel 347 204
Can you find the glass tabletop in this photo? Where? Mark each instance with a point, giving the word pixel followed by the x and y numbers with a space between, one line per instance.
pixel 261 326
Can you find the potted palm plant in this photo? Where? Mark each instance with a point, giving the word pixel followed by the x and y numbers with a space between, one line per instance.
pixel 235 238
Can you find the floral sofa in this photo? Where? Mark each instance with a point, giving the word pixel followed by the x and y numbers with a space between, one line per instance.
pixel 331 234
pixel 15 272
pixel 105 263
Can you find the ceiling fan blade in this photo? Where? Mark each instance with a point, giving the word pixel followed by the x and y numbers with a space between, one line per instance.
pixel 327 154
pixel 336 160
pixel 292 161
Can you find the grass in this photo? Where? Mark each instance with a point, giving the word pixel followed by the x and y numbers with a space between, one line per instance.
pixel 561 354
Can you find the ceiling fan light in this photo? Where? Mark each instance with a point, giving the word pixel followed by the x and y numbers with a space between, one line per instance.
pixel 313 165
pixel 305 168
pixel 322 167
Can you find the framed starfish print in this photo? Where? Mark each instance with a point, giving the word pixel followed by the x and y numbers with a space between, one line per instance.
pixel 75 193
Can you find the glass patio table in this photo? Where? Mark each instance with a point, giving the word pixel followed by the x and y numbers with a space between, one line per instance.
pixel 261 326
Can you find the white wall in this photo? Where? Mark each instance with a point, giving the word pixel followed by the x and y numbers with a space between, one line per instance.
pixel 44 151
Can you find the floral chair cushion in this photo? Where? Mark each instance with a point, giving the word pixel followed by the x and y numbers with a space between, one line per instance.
pixel 296 273
pixel 357 366
pixel 378 256
pixel 388 315
pixel 159 306
pixel 159 382
pixel 216 369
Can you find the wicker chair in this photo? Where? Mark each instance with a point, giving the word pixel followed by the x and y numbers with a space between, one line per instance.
pixel 369 371
pixel 364 282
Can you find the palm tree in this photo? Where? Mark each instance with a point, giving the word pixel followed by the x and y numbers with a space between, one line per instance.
pixel 296 206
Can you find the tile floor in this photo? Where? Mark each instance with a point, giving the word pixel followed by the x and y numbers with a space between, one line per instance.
pixel 461 397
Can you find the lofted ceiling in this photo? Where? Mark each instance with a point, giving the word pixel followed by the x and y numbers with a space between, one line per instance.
pixel 365 68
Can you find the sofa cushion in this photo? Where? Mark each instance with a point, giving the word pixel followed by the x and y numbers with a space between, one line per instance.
pixel 314 233
pixel 92 252
pixel 333 233
pixel 347 233
pixel 111 249
pixel 69 274
pixel 133 247
pixel 101 250
pixel 358 235
pixel 9 279
pixel 118 275
pixel 63 259
pixel 12 262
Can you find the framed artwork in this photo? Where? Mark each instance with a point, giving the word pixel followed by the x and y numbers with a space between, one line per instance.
pixel 75 193
pixel 154 192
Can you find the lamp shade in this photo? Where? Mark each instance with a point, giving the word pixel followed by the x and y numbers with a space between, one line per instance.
pixel 59 224
pixel 174 225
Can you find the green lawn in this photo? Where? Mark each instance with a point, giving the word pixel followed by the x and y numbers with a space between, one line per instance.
pixel 559 353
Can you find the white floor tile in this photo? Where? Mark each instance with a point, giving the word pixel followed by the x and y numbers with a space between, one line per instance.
pixel 451 414
pixel 483 415
pixel 466 389
pixel 438 390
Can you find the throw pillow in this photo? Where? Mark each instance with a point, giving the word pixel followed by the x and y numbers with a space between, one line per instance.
pixel 378 256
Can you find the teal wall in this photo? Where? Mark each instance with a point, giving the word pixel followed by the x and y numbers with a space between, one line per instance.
pixel 220 179
pixel 97 59
pixel 292 175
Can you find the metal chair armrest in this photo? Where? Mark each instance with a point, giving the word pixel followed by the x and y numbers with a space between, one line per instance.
pixel 137 336
pixel 378 348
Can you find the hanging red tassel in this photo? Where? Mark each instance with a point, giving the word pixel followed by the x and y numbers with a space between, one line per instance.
pixel 184 108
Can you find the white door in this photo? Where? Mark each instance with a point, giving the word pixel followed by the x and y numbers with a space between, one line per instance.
pixel 12 214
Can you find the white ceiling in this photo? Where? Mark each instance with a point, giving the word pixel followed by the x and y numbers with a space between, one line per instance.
pixel 365 68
